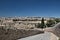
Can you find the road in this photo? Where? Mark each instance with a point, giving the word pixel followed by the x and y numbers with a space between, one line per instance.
pixel 45 36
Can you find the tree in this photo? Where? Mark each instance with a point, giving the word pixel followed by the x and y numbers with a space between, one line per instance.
pixel 42 23
pixel 57 20
pixel 50 23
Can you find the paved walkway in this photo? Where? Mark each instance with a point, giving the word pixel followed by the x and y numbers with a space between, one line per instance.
pixel 45 36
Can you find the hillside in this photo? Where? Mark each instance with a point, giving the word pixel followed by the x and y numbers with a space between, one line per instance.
pixel 14 34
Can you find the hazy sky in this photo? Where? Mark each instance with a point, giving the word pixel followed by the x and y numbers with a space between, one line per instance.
pixel 30 8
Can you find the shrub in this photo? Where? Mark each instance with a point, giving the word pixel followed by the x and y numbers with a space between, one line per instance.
pixel 50 23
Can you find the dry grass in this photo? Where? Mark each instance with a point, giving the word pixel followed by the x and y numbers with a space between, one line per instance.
pixel 14 34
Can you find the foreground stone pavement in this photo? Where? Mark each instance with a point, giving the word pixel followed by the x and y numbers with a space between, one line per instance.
pixel 51 33
pixel 45 36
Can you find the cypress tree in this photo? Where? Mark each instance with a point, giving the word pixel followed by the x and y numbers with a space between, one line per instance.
pixel 42 23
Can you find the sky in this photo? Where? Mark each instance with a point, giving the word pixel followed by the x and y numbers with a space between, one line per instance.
pixel 46 8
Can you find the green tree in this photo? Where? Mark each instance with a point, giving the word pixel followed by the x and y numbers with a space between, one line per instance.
pixel 42 23
pixel 57 20
pixel 50 23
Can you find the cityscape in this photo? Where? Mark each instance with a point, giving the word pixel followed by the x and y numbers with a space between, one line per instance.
pixel 29 19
